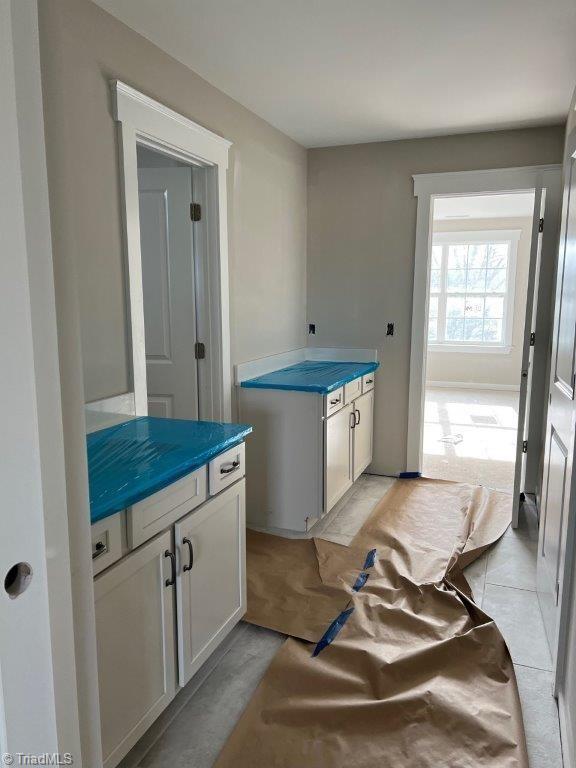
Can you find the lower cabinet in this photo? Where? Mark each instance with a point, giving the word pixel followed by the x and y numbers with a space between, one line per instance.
pixel 348 446
pixel 211 584
pixel 135 615
pixel 362 433
pixel 338 455
pixel 148 637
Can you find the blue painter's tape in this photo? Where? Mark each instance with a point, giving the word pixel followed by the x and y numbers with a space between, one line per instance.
pixel 332 631
pixel 370 559
pixel 409 475
pixel 360 581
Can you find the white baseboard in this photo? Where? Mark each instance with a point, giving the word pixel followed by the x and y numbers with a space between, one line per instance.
pixel 472 385
pixel 566 735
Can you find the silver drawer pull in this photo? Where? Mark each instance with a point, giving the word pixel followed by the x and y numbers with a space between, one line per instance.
pixel 335 402
pixel 99 549
pixel 369 381
pixel 232 468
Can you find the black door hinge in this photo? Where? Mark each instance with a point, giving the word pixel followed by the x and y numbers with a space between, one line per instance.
pixel 541 225
pixel 199 351
pixel 525 446
pixel 195 211
pixel 532 339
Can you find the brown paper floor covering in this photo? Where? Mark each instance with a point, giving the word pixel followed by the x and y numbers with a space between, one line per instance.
pixel 419 676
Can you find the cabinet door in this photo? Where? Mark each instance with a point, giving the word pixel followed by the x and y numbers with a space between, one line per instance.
pixel 135 640
pixel 338 456
pixel 211 594
pixel 362 433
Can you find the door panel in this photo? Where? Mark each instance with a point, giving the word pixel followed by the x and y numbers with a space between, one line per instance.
pixel 338 455
pixel 362 433
pixel 553 558
pixel 166 242
pixel 564 358
pixel 211 594
pixel 135 640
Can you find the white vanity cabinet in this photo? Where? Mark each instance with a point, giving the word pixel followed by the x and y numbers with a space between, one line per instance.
pixel 164 607
pixel 135 639
pixel 307 450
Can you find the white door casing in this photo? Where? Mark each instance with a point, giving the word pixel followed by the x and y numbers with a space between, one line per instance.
pixel 168 284
pixel 557 518
pixel 211 584
pixel 427 187
pixel 144 121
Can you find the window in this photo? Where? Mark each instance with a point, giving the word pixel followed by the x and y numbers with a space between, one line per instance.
pixel 472 290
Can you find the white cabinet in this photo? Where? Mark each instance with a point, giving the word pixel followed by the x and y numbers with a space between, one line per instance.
pixel 135 639
pixel 362 433
pixel 164 608
pixel 306 451
pixel 211 590
pixel 338 455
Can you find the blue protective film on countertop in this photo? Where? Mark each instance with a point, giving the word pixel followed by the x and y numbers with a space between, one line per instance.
pixel 130 461
pixel 322 376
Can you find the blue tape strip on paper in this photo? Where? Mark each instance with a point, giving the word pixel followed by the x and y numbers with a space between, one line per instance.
pixel 409 475
pixel 360 581
pixel 370 559
pixel 332 631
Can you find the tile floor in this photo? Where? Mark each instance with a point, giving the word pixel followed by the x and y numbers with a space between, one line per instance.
pixel 481 427
pixel 503 581
pixel 195 726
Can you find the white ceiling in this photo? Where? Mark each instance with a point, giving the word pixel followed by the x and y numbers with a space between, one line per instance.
pixel 484 206
pixel 344 71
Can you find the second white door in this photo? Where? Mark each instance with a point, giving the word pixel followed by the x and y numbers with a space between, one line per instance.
pixel 166 241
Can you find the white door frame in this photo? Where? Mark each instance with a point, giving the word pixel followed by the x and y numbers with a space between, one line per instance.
pixel 38 680
pixel 427 187
pixel 145 121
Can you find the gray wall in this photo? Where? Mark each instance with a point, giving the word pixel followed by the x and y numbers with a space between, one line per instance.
pixel 361 239
pixel 82 48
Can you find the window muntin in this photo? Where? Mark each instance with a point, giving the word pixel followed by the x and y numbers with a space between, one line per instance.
pixel 471 289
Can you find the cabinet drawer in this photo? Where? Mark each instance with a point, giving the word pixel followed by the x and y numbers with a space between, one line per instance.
pixel 368 382
pixel 152 515
pixel 334 401
pixel 226 468
pixel 352 390
pixel 106 542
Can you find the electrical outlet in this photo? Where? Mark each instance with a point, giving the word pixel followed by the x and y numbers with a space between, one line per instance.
pixel 312 328
pixel 390 329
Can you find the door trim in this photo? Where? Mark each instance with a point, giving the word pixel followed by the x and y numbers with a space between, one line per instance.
pixel 426 188
pixel 143 120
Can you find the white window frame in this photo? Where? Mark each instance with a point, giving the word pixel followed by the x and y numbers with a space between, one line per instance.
pixel 509 236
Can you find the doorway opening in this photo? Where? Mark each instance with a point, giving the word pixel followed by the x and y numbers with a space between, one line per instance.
pixel 477 299
pixel 171 254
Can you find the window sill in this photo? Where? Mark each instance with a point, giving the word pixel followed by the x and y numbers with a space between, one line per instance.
pixel 471 349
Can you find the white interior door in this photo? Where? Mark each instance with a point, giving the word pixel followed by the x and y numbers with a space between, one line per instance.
pixel 527 355
pixel 555 514
pixel 168 283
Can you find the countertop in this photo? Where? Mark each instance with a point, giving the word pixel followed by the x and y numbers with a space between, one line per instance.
pixel 321 376
pixel 130 461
